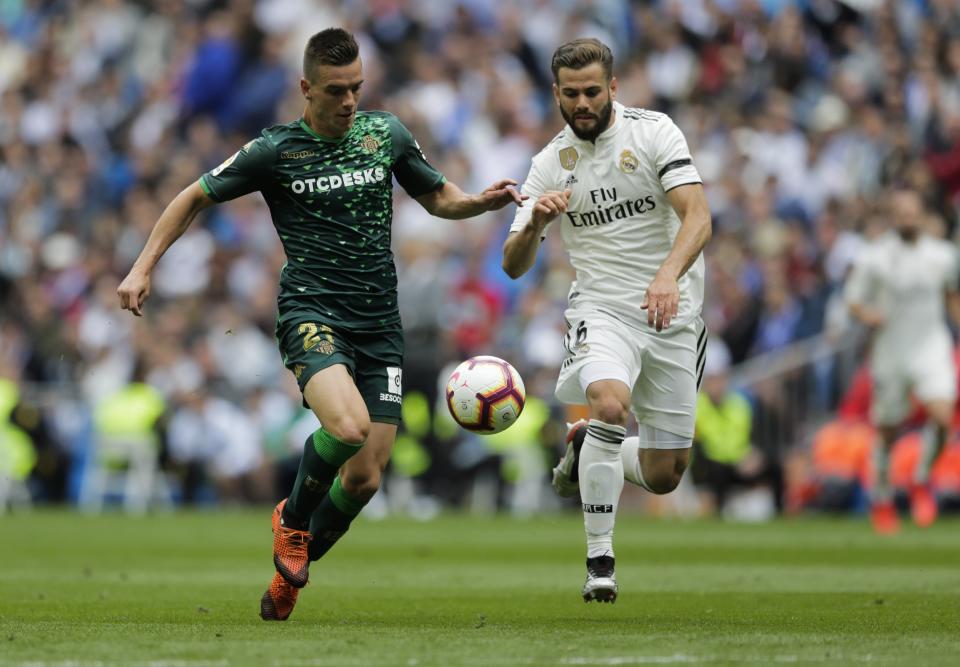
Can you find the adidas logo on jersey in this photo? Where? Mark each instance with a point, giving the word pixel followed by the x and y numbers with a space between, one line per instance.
pixel 337 181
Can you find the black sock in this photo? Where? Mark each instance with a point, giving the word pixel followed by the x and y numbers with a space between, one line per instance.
pixel 313 481
pixel 332 519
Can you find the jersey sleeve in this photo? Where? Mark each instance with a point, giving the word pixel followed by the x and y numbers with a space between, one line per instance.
pixel 247 170
pixel 536 183
pixel 414 174
pixel 859 287
pixel 673 161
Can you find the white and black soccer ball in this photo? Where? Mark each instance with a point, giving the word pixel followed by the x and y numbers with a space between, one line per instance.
pixel 485 394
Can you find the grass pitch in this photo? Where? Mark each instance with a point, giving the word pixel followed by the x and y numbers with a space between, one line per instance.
pixel 182 590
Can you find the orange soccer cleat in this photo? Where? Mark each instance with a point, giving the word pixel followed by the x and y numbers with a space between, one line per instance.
pixel 279 600
pixel 883 515
pixel 923 506
pixel 290 550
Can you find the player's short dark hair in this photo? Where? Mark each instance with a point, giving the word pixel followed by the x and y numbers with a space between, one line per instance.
pixel 333 46
pixel 582 52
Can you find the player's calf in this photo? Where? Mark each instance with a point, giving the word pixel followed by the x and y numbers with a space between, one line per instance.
pixel 662 474
pixel 656 459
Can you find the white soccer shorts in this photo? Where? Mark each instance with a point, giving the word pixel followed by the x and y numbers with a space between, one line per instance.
pixel 663 369
pixel 927 369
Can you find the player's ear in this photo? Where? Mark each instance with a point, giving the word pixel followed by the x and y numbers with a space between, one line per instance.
pixel 613 88
pixel 305 88
pixel 556 94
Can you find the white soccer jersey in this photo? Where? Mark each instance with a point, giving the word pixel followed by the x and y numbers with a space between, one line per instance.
pixel 619 226
pixel 907 283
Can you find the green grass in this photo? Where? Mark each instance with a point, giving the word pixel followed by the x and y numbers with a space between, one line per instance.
pixel 183 590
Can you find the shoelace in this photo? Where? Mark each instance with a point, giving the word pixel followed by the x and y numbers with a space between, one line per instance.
pixel 298 539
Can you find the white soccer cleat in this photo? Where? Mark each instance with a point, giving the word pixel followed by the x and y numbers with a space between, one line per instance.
pixel 601 583
pixel 566 478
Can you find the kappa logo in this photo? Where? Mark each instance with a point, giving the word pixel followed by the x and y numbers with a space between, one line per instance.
pixel 296 155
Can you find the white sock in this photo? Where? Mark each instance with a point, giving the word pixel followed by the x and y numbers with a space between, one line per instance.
pixel 881 492
pixel 931 438
pixel 601 481
pixel 630 456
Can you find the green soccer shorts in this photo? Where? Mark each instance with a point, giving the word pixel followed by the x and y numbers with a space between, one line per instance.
pixel 374 359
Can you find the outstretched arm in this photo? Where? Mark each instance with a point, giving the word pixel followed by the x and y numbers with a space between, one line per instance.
pixel 449 201
pixel 173 222
pixel 520 248
pixel 662 300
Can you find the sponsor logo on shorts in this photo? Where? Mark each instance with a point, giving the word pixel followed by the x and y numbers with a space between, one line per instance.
pixel 391 398
pixel 395 380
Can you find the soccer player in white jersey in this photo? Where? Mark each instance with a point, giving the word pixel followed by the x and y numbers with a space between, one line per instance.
pixel 633 217
pixel 899 286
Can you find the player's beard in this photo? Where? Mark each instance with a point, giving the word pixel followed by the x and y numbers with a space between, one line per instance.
pixel 603 121
pixel 908 234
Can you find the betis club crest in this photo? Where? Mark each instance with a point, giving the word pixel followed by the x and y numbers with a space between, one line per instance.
pixel 369 144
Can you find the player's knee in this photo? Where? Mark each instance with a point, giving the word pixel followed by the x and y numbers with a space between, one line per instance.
pixel 348 429
pixel 362 484
pixel 610 411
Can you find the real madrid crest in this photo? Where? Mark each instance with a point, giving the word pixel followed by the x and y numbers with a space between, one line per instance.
pixel 628 162
pixel 569 157
pixel 369 144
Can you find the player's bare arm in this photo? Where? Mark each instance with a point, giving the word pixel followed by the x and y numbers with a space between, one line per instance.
pixel 452 203
pixel 953 307
pixel 173 222
pixel 520 248
pixel 867 315
pixel 662 299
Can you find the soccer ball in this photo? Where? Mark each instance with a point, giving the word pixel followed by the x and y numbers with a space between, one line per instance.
pixel 485 394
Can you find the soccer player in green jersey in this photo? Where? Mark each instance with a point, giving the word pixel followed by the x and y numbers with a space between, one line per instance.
pixel 326 178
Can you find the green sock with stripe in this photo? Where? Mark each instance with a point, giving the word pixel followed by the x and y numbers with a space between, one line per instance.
pixel 332 519
pixel 323 455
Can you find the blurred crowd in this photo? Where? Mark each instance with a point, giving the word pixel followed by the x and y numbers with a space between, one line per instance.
pixel 799 114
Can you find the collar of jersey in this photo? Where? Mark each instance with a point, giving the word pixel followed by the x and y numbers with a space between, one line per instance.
pixel 607 134
pixel 330 140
